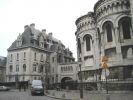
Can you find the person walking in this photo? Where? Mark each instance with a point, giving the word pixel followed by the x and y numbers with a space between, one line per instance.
pixel 24 86
pixel 19 87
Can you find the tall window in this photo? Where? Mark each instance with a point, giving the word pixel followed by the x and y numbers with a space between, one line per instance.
pixel 11 58
pixel 79 46
pixel 11 68
pixel 34 68
pixel 17 56
pixel 88 46
pixel 34 56
pixel 24 67
pixel 24 55
pixel 87 38
pixel 108 28
pixel 125 26
pixel 17 68
pixel 42 58
pixel 109 33
pixel 52 59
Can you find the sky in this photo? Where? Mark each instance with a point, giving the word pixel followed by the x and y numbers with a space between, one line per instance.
pixel 56 16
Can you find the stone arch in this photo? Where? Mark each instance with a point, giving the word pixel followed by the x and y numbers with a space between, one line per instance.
pixel 65 82
pixel 125 22
pixel 120 17
pixel 87 38
pixel 101 25
pixel 65 79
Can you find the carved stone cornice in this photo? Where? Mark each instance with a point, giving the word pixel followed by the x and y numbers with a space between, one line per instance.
pixel 106 7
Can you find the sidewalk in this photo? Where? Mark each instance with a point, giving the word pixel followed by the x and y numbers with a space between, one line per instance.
pixel 90 95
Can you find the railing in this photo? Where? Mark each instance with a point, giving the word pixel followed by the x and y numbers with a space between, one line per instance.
pixel 113 84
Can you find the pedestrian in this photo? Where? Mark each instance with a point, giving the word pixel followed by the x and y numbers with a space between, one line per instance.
pixel 19 87
pixel 24 87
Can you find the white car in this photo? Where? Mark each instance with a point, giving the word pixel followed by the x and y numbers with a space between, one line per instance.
pixel 37 87
pixel 4 88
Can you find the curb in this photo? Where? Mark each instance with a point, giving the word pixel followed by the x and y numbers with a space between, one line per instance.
pixel 58 97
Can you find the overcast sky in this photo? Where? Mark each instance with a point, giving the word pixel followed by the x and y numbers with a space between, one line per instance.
pixel 56 16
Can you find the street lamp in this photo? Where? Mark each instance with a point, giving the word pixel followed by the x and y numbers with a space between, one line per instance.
pixel 81 83
pixel 16 80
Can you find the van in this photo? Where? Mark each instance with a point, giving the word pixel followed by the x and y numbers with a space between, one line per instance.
pixel 37 87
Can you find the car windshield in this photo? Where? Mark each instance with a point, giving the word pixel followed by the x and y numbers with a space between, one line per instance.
pixel 36 83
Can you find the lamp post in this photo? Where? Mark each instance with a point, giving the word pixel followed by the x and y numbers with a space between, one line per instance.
pixel 16 80
pixel 81 83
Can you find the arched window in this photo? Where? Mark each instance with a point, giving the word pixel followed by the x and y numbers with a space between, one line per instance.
pixel 125 27
pixel 87 38
pixel 79 46
pixel 17 68
pixel 88 46
pixel 24 67
pixel 108 29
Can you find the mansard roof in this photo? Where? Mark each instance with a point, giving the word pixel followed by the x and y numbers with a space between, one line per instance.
pixel 26 37
pixel 31 35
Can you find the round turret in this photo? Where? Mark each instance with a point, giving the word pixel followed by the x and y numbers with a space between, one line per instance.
pixel 105 8
pixel 85 22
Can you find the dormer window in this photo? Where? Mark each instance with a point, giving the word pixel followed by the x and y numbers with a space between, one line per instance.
pixel 19 41
pixel 41 44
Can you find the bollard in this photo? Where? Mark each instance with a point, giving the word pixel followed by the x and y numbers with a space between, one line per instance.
pixel 63 96
pixel 53 94
pixel 107 96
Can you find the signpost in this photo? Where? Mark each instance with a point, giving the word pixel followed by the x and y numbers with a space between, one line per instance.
pixel 105 71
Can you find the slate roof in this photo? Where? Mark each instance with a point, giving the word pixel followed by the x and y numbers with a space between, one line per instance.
pixel 26 38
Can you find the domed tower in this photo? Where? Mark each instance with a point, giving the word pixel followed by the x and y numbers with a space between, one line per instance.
pixel 113 18
pixel 86 44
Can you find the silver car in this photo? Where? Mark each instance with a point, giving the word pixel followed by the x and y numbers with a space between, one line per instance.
pixel 4 88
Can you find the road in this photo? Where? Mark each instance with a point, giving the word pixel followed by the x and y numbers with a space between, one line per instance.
pixel 16 95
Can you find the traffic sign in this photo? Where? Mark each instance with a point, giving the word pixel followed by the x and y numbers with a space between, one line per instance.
pixel 104 59
pixel 104 65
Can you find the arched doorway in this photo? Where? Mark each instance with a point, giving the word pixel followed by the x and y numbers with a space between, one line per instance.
pixel 67 83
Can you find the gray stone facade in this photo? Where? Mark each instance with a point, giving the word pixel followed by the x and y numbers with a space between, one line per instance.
pixel 106 32
pixel 2 69
pixel 36 55
pixel 68 72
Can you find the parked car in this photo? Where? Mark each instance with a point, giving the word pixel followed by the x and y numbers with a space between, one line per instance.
pixel 4 88
pixel 37 87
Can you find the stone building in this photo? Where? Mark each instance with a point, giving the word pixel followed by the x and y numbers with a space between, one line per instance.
pixel 67 72
pixel 2 69
pixel 107 31
pixel 36 55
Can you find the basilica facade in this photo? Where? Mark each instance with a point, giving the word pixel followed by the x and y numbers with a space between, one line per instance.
pixel 107 31
pixel 36 55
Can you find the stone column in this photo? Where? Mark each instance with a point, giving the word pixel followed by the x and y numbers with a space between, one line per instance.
pixel 131 6
pixel 102 43
pixel 118 44
pixel 121 74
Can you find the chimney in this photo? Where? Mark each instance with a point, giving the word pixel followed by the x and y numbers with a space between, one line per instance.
pixel 25 27
pixel 44 31
pixel 32 25
pixel 50 34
